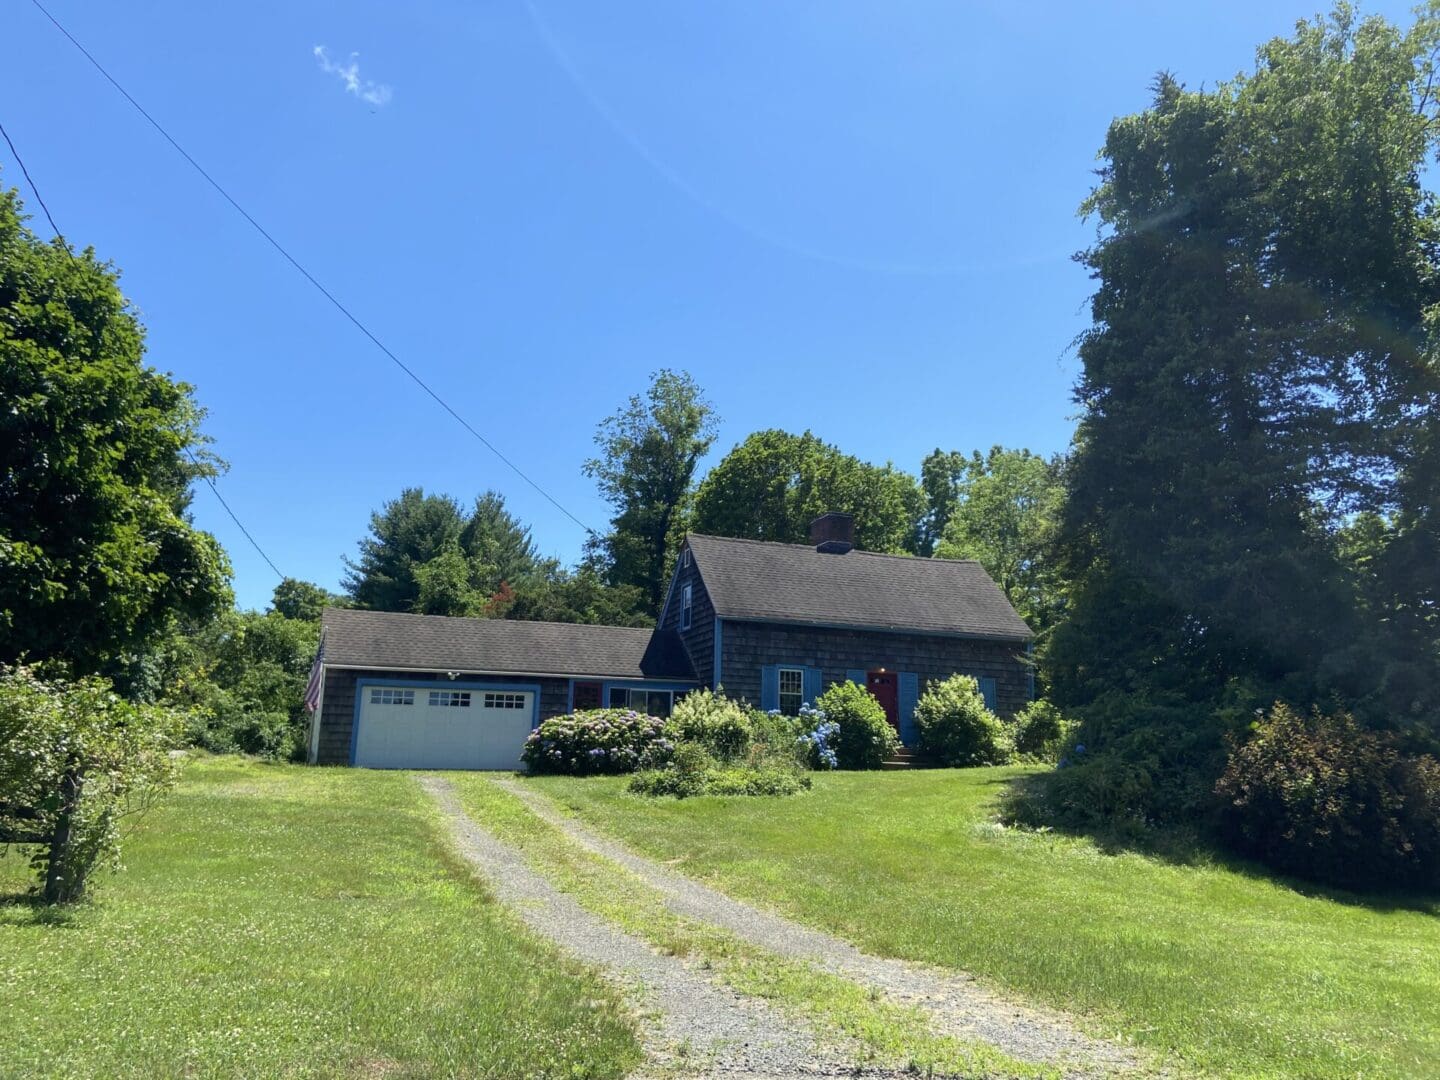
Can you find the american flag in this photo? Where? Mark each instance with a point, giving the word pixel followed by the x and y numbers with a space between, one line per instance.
pixel 312 688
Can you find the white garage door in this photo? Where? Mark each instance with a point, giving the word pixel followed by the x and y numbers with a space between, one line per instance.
pixel 424 727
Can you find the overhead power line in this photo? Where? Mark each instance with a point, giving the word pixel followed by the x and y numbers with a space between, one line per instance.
pixel 299 267
pixel 35 190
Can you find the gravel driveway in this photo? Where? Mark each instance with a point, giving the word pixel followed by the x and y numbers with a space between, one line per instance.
pixel 701 1028
pixel 955 1003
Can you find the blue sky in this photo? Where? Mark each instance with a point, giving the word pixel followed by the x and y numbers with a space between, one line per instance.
pixel 850 217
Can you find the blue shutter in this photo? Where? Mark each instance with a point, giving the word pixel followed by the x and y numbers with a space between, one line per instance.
pixel 987 691
pixel 856 676
pixel 812 684
pixel 770 687
pixel 909 694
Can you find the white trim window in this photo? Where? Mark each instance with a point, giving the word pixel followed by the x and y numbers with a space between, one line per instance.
pixel 792 690
pixel 390 695
pixel 686 608
pixel 651 702
pixel 450 699
pixel 504 701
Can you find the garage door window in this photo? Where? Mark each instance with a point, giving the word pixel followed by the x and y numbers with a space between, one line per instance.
pixel 452 699
pixel 504 701
pixel 388 695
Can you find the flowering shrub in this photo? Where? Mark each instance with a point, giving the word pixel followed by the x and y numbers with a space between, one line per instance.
pixel 956 728
pixel 818 741
pixel 863 738
pixel 710 719
pixel 599 741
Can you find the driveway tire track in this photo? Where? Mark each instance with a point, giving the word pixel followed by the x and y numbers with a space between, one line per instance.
pixel 702 1028
pixel 955 1003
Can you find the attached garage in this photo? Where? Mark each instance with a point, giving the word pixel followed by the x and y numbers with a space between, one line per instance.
pixel 443 725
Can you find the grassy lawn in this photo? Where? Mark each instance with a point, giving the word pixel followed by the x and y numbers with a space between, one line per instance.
pixel 1237 973
pixel 282 921
pixel 884 1033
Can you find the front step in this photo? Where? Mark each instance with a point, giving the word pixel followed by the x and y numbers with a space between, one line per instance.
pixel 904 757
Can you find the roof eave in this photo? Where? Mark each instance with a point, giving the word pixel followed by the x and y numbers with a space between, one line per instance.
pixel 826 624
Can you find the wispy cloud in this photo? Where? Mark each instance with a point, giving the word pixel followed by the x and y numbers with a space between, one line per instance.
pixel 349 74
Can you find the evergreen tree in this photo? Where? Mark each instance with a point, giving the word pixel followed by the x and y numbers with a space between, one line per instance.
pixel 1258 360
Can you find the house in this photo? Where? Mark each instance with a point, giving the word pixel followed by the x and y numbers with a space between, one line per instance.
pixel 774 624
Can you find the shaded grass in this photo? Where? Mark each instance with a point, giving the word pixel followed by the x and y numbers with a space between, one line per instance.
pixel 889 1034
pixel 1237 973
pixel 282 921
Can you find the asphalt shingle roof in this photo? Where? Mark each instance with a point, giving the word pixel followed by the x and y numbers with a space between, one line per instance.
pixel 753 579
pixel 387 639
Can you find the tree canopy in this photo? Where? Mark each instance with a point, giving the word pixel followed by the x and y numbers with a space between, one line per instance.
pixel 426 555
pixel 97 454
pixel 774 483
pixel 1261 368
pixel 648 452
pixel 1003 510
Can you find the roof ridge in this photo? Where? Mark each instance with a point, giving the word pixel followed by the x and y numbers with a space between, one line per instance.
pixel 852 551
pixel 478 619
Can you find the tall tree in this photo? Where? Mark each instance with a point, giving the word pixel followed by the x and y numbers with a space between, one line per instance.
pixel 772 485
pixel 1005 512
pixel 649 450
pixel 98 555
pixel 941 475
pixel 1265 274
pixel 425 555
pixel 405 534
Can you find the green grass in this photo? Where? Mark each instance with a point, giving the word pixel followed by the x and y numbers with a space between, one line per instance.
pixel 1237 973
pixel 887 1034
pixel 280 921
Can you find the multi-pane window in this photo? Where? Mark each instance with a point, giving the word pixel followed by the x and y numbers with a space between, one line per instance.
pixel 685 608
pixel 452 699
pixel 389 695
pixel 504 701
pixel 651 702
pixel 792 690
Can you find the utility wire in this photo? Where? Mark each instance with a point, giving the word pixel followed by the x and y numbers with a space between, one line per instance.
pixel 35 190
pixel 306 273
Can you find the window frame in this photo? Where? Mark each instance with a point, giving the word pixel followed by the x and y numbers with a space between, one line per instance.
pixel 687 606
pixel 503 699
pixel 392 695
pixel 647 693
pixel 449 699
pixel 781 671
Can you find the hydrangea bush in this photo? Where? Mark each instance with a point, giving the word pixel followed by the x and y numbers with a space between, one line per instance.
pixel 602 741
pixel 819 738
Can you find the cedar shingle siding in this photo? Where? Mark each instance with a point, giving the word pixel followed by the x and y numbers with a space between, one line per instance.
pixel 699 640
pixel 749 646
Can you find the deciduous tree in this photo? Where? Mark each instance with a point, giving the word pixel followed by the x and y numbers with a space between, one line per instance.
pixel 649 451
pixel 98 555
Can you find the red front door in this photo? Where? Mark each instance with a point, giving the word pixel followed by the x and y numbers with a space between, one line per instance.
pixel 881 685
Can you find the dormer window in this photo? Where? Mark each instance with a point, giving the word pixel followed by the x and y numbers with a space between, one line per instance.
pixel 685 608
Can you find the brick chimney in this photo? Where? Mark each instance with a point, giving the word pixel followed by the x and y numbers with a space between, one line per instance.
pixel 833 533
